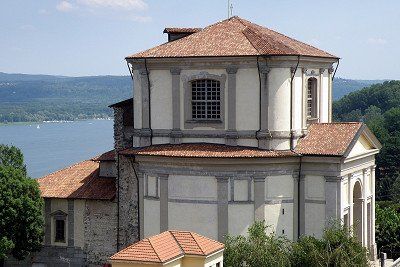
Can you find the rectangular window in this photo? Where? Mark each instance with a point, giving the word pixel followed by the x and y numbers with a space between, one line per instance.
pixel 206 100
pixel 60 230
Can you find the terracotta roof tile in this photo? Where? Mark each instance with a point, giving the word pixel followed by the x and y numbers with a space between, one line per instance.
pixel 203 150
pixel 79 181
pixel 232 37
pixel 167 246
pixel 331 139
pixel 107 156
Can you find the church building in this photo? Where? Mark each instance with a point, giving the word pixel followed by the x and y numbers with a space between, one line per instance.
pixel 230 124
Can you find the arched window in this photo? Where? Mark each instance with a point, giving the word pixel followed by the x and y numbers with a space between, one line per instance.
pixel 312 98
pixel 206 99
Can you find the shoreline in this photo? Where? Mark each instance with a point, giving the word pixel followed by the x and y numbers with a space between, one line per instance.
pixel 55 121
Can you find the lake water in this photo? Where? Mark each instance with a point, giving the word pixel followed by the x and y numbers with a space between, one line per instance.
pixel 48 147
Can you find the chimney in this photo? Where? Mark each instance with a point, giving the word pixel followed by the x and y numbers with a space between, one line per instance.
pixel 178 33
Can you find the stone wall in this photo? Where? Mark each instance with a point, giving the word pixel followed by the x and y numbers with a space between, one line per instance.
pixel 122 134
pixel 100 231
pixel 128 203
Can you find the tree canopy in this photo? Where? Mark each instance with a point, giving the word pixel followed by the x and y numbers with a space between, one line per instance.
pixel 21 218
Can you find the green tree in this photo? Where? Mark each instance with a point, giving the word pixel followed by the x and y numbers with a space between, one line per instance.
pixel 21 218
pixel 388 229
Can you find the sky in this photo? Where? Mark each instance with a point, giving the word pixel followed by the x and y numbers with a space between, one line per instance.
pixel 92 37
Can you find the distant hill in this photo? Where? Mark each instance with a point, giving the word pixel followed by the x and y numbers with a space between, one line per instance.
pixel 25 97
pixel 342 87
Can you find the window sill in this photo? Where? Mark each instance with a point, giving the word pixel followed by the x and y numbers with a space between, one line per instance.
pixel 312 120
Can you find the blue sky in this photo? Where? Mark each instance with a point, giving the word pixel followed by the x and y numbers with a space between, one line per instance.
pixel 92 37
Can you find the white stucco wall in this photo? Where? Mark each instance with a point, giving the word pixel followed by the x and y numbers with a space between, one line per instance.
pixel 161 99
pixel 108 169
pixel 324 97
pixel 298 100
pixel 137 100
pixel 279 187
pixel 196 217
pixel 151 217
pixel 315 187
pixel 192 187
pixel 79 233
pixel 314 219
pixel 240 217
pixel 247 99
pixel 279 218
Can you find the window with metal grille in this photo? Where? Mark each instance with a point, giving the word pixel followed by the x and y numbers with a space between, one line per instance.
pixel 60 231
pixel 311 98
pixel 206 100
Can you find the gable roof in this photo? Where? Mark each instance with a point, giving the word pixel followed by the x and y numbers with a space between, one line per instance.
pixel 106 156
pixel 122 103
pixel 168 246
pixel 205 150
pixel 330 139
pixel 232 37
pixel 79 181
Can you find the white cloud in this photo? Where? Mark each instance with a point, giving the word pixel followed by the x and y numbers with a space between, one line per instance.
pixel 142 19
pixel 377 41
pixel 116 4
pixel 27 27
pixel 64 6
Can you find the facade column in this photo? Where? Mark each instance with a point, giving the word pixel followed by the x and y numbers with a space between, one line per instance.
pixel 163 202
pixel 70 222
pixel 320 95
pixel 373 249
pixel 176 133
pixel 304 98
pixel 333 208
pixel 330 99
pixel 351 203
pixel 259 198
pixel 145 132
pixel 264 135
pixel 231 135
pixel 365 212
pixel 47 221
pixel 222 209
pixel 295 206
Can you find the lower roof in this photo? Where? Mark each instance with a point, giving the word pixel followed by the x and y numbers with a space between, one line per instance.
pixel 79 181
pixel 206 150
pixel 168 246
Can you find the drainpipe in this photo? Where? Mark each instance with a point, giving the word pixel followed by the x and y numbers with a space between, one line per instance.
pixel 299 197
pixel 291 105
pixel 118 201
pixel 148 87
pixel 137 192
pixel 259 96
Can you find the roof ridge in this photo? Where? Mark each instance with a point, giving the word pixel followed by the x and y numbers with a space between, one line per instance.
pixel 176 240
pixel 191 234
pixel 154 248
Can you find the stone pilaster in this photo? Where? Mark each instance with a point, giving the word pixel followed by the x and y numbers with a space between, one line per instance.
pixel 295 206
pixel 264 135
pixel 145 134
pixel 176 134
pixel 259 198
pixel 373 248
pixel 163 202
pixel 231 135
pixel 222 209
pixel 302 205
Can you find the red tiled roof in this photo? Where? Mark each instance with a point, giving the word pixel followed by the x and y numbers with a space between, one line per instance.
pixel 79 181
pixel 331 139
pixel 107 156
pixel 203 150
pixel 167 246
pixel 233 37
pixel 182 30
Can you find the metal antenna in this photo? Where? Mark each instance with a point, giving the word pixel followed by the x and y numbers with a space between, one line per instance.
pixel 231 7
pixel 229 4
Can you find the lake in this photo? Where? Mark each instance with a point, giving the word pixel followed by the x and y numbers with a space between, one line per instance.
pixel 48 147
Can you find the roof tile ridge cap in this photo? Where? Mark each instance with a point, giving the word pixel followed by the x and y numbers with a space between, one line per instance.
pixel 154 248
pixel 291 38
pixel 66 168
pixel 95 158
pixel 191 234
pixel 176 240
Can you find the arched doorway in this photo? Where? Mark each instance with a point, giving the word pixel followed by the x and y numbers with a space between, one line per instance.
pixel 358 211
